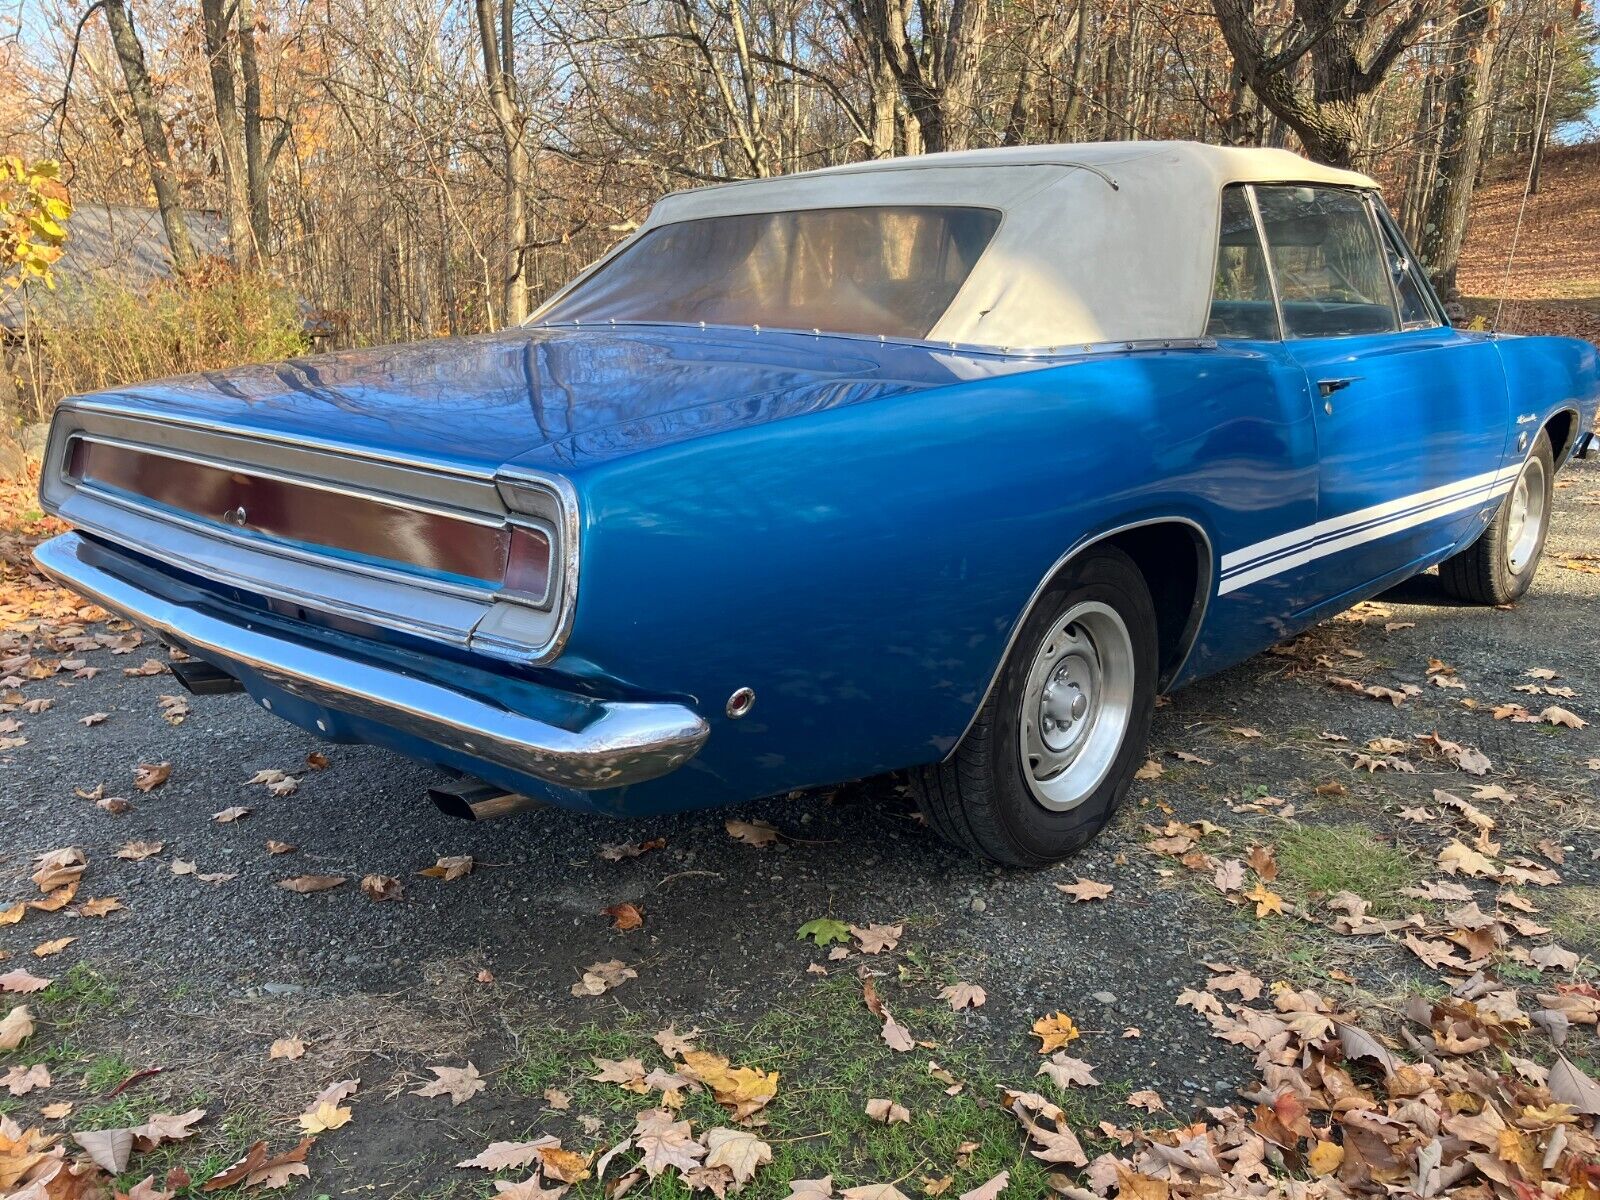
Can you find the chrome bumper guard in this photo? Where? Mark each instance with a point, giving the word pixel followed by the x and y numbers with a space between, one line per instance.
pixel 623 742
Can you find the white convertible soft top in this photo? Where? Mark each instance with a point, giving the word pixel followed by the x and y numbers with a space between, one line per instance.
pixel 1098 241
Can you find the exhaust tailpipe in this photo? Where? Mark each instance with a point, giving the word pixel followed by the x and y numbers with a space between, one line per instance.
pixel 200 678
pixel 473 800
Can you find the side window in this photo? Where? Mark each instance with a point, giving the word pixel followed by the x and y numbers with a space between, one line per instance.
pixel 1416 311
pixel 1241 295
pixel 1332 277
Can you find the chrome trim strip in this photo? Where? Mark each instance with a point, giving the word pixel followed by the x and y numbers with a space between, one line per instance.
pixel 275 548
pixel 315 601
pixel 109 407
pixel 970 348
pixel 1192 630
pixel 472 518
pixel 627 742
pixel 565 600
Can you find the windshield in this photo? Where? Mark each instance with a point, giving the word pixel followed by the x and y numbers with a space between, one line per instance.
pixel 890 271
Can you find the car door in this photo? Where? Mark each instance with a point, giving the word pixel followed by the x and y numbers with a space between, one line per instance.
pixel 1411 416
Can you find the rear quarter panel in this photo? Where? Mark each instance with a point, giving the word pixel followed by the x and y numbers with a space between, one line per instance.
pixel 862 568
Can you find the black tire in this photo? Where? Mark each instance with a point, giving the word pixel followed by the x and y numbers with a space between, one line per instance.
pixel 979 798
pixel 1483 572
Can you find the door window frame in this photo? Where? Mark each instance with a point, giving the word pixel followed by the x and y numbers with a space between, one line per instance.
pixel 1388 240
pixel 1393 242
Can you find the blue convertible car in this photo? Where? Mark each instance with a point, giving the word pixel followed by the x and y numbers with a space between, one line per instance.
pixel 944 465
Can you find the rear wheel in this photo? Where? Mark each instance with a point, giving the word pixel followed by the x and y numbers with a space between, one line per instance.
pixel 1055 746
pixel 1499 567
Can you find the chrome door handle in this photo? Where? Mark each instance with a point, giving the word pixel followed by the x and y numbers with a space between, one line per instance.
pixel 1329 386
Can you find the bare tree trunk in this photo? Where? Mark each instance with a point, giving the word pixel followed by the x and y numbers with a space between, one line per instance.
pixel 154 134
pixel 257 162
pixel 1332 114
pixel 499 63
pixel 937 71
pixel 217 20
pixel 1466 115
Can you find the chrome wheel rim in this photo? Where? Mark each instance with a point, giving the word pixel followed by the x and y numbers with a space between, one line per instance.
pixel 1525 520
pixel 1076 705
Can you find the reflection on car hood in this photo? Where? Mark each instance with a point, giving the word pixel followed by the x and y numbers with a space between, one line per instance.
pixel 561 399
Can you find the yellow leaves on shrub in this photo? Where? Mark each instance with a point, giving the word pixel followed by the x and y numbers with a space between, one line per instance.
pixel 34 207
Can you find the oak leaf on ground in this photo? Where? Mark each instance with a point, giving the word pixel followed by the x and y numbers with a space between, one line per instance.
pixel 1085 889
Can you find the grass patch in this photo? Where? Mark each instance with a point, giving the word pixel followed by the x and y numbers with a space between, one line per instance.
pixel 1575 916
pixel 1319 860
pixel 827 1050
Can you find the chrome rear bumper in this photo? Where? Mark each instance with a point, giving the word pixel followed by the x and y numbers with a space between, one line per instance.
pixel 600 744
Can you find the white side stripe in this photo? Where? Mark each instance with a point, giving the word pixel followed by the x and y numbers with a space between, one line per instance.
pixel 1284 552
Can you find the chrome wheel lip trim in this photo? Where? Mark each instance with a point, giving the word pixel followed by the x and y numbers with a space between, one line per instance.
pixel 1527 515
pixel 1100 659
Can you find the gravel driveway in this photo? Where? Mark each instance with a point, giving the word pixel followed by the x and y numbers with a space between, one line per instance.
pixel 200 978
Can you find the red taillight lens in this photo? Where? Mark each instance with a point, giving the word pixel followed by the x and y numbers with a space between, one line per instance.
pixel 528 564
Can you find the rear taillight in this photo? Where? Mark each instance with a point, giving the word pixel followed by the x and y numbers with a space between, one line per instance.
pixel 528 565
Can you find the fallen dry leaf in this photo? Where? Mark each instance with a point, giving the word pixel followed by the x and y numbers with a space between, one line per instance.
pixel 739 1150
pixel 58 868
pixel 888 1112
pixel 507 1156
pixel 459 1083
pixel 623 916
pixel 963 995
pixel 601 977
pixel 324 1117
pixel 1065 1071
pixel 306 884
pixel 20 1080
pixel 22 982
pixel 16 1027
pixel 989 1190
pixel 381 887
pixel 258 1168
pixel 1085 889
pixel 1054 1032
pixel 289 1048
pixel 108 1149
pixel 875 939
pixel 148 776
pixel 751 833
pixel 449 867
pixel 1556 715
pixel 663 1141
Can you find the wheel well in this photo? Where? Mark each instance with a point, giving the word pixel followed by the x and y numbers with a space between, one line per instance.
pixel 1562 430
pixel 1175 560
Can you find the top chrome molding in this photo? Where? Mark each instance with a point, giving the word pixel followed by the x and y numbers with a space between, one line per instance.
pixel 488 520
pixel 1064 353
pixel 306 441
